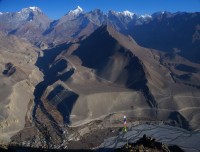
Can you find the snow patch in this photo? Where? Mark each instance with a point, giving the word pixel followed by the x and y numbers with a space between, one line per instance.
pixel 76 11
pixel 33 8
pixel 124 13
pixel 1 13
pixel 145 16
pixel 127 13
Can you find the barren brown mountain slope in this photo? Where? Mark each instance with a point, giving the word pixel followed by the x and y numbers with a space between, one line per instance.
pixel 109 73
pixel 18 76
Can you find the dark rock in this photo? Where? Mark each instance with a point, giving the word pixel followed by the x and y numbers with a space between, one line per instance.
pixel 9 69
pixel 149 144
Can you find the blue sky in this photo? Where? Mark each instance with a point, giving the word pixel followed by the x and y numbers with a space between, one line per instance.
pixel 57 8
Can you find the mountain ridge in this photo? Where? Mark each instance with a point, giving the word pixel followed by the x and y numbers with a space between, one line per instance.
pixel 77 23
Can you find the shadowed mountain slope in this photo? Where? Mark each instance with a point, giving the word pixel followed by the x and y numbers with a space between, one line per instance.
pixel 101 52
pixel 108 58
pixel 178 33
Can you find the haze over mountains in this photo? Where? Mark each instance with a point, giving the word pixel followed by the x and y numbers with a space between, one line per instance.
pixel 90 66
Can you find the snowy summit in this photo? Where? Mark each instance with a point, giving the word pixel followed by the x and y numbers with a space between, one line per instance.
pixel 124 13
pixel 76 11
pixel 127 13
pixel 33 9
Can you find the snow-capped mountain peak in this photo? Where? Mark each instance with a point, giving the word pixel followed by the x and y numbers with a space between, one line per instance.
pixel 1 13
pixel 28 13
pixel 31 9
pixel 124 13
pixel 127 13
pixel 35 9
pixel 76 11
pixel 79 8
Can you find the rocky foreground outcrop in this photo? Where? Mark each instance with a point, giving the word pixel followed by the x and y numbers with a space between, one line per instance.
pixel 144 144
pixel 148 144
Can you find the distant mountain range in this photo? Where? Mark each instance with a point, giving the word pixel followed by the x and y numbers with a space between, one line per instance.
pixel 171 32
